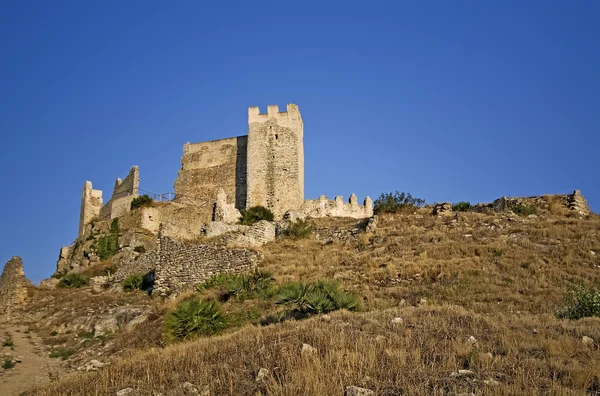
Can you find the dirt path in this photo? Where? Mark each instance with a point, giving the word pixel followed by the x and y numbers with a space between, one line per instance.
pixel 33 366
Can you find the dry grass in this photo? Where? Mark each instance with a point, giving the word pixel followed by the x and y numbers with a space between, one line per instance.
pixel 494 277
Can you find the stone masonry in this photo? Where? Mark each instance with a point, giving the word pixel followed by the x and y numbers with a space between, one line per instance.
pixel 91 202
pixel 182 265
pixel 324 207
pixel 13 284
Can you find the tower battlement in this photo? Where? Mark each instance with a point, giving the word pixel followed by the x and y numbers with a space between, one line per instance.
pixel 292 113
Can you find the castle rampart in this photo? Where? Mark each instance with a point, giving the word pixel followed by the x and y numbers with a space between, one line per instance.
pixel 324 207
pixel 123 193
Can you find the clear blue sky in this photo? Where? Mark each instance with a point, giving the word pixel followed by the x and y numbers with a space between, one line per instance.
pixel 450 101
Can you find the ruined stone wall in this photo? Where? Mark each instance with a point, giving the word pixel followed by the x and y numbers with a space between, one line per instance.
pixel 275 177
pixel 572 204
pixel 324 207
pixel 182 265
pixel 91 202
pixel 123 193
pixel 141 265
pixel 128 186
pixel 183 221
pixel 13 284
pixel 208 166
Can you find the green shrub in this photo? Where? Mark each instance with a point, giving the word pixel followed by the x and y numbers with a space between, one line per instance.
pixel 114 227
pixel 8 343
pixel 86 334
pixel 580 302
pixel 111 269
pixel 141 201
pixel 54 333
pixel 255 214
pixel 298 229
pixel 133 282
pixel 524 210
pixel 317 297
pixel 461 206
pixel 107 246
pixel 73 280
pixel 194 317
pixel 242 286
pixel 394 202
pixel 62 353
pixel 8 364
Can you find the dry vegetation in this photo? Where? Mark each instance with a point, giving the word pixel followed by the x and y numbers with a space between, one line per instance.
pixel 496 277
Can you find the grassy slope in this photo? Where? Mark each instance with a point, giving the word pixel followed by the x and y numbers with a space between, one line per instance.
pixel 494 277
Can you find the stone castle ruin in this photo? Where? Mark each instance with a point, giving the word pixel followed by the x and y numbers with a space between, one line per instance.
pixel 184 240
pixel 217 180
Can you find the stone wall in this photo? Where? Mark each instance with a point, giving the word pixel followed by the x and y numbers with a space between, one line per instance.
pixel 123 193
pixel 141 265
pixel 128 186
pixel 324 207
pixel 183 221
pixel 182 265
pixel 572 204
pixel 207 167
pixel 275 176
pixel 91 202
pixel 13 284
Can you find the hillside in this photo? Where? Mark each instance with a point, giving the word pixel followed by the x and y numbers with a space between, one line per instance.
pixel 496 277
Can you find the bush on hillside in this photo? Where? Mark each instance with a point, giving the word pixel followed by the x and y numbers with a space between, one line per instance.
pixel 298 229
pixel 141 201
pixel 194 317
pixel 317 297
pixel 580 302
pixel 524 210
pixel 394 202
pixel 133 282
pixel 255 214
pixel 461 206
pixel 73 280
pixel 243 286
pixel 108 245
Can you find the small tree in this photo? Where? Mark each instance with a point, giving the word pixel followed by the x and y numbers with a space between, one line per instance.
pixel 255 214
pixel 394 202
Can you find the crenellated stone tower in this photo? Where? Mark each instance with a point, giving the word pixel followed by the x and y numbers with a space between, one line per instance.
pixel 275 158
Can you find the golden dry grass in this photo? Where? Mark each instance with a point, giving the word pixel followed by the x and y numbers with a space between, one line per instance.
pixel 496 277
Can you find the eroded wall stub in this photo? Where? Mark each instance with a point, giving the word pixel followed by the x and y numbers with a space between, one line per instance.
pixel 275 177
pixel 13 284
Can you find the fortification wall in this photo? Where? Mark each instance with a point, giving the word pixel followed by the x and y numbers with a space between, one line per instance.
pixel 324 207
pixel 182 265
pixel 182 221
pixel 13 284
pixel 91 203
pixel 141 265
pixel 123 193
pixel 128 186
pixel 275 177
pixel 207 167
pixel 571 204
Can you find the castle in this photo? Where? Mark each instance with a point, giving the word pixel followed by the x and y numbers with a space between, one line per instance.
pixel 264 167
